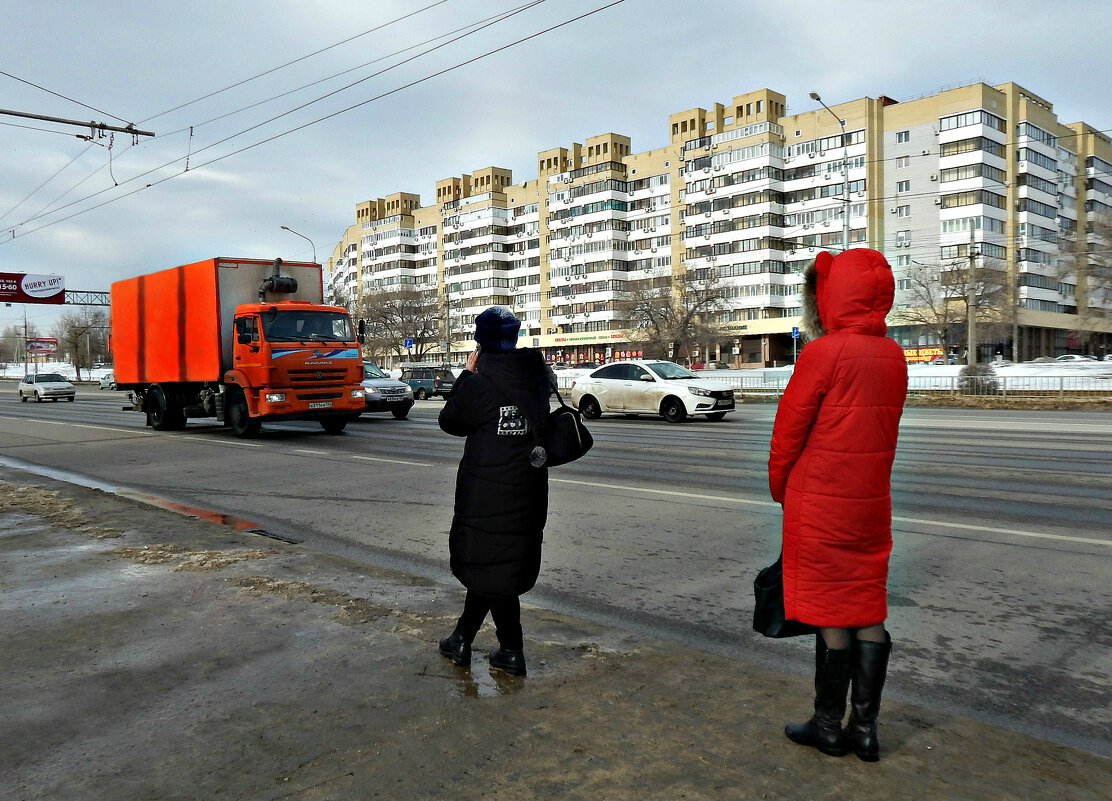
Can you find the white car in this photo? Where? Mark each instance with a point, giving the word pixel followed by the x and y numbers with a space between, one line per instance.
pixel 108 381
pixel 46 386
pixel 1075 357
pixel 650 387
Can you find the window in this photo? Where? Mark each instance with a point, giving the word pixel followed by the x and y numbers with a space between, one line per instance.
pixel 903 161
pixel 903 186
pixel 903 284
pixel 903 137
pixel 903 211
pixel 903 238
pixel 903 261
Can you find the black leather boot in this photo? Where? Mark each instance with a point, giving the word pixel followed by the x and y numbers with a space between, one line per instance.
pixel 870 666
pixel 509 661
pixel 832 675
pixel 456 648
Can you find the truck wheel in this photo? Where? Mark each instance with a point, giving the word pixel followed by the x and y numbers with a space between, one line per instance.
pixel 334 425
pixel 163 414
pixel 421 394
pixel 239 418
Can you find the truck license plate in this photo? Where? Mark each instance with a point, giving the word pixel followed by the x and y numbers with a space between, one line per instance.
pixel 320 404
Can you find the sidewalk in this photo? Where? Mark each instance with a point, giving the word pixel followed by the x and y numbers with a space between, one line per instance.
pixel 152 656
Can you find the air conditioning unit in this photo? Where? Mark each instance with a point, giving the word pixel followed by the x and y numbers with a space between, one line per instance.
pixel 710 190
pixel 934 176
pixel 894 210
pixel 826 177
pixel 938 201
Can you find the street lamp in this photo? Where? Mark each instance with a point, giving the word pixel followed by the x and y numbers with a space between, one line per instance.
pixel 307 239
pixel 845 172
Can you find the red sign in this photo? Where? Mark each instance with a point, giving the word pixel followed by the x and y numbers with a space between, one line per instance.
pixel 42 345
pixel 21 288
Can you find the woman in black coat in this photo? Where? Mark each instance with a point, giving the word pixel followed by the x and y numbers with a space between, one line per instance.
pixel 501 500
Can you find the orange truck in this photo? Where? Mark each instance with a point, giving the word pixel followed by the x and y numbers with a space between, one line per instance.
pixel 243 341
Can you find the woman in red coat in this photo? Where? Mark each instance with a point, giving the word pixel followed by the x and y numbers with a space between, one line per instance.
pixel 830 465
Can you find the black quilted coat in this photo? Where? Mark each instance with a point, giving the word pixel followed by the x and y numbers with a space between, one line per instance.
pixel 501 500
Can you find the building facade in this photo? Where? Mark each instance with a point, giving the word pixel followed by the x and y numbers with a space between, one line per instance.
pixel 978 176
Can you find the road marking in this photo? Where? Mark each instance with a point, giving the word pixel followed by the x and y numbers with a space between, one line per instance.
pixel 1006 531
pixel 673 493
pixel 309 452
pixel 913 520
pixel 390 461
pixel 231 442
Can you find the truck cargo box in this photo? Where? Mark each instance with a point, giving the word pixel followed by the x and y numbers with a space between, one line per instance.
pixel 175 325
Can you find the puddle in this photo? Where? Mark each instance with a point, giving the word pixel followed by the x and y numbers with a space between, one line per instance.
pixel 479 681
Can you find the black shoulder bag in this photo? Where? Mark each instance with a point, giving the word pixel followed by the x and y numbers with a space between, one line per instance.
pixel 559 437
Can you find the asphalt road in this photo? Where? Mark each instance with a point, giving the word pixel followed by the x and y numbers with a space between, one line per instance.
pixel 999 600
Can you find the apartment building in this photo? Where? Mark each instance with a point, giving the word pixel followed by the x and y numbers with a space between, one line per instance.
pixel 747 193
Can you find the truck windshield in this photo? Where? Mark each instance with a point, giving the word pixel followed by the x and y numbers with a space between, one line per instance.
pixel 302 326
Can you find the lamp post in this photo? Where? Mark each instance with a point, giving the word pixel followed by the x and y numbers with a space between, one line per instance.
pixel 845 172
pixel 307 239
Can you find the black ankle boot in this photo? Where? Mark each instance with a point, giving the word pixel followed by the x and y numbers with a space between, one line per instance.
pixel 509 661
pixel 832 675
pixel 456 648
pixel 870 666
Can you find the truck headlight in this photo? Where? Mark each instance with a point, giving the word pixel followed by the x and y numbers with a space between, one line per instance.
pixel 699 391
pixel 358 393
pixel 275 397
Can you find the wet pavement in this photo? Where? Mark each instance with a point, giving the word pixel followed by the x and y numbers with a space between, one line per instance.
pixel 149 655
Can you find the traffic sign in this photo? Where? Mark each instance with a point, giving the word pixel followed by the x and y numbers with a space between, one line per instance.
pixel 795 332
pixel 408 343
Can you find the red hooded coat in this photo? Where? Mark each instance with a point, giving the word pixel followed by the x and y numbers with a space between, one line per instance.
pixel 833 443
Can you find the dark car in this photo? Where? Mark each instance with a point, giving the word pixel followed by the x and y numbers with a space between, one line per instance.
pixel 428 381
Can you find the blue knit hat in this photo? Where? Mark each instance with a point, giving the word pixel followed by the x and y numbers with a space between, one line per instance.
pixel 496 329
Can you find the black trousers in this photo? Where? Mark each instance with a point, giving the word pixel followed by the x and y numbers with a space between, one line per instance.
pixel 505 612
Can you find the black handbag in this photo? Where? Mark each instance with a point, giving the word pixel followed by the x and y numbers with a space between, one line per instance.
pixel 559 437
pixel 768 606
pixel 563 437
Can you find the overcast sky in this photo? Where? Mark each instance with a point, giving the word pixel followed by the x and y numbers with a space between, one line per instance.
pixel 85 210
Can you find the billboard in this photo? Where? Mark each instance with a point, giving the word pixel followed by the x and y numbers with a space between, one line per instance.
pixel 21 288
pixel 40 345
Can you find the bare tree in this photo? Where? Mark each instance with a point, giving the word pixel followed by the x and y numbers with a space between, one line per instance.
pixel 672 312
pixel 937 299
pixel 1087 262
pixel 81 333
pixel 392 317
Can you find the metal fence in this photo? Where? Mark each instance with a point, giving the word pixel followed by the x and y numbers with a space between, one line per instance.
pixel 771 384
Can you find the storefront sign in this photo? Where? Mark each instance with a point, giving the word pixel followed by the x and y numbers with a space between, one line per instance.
pixel 926 354
pixel 21 288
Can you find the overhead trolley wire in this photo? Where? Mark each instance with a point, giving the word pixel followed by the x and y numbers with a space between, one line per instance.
pixel 297 60
pixel 403 87
pixel 70 99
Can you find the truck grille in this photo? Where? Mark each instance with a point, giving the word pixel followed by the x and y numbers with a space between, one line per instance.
pixel 315 396
pixel 328 376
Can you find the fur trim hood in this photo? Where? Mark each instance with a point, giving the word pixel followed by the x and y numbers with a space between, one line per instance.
pixel 854 289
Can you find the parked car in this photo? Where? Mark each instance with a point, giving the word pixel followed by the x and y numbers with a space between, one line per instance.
pixel 710 366
pixel 386 394
pixel 650 387
pixel 108 381
pixel 46 386
pixel 428 381
pixel 1075 357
